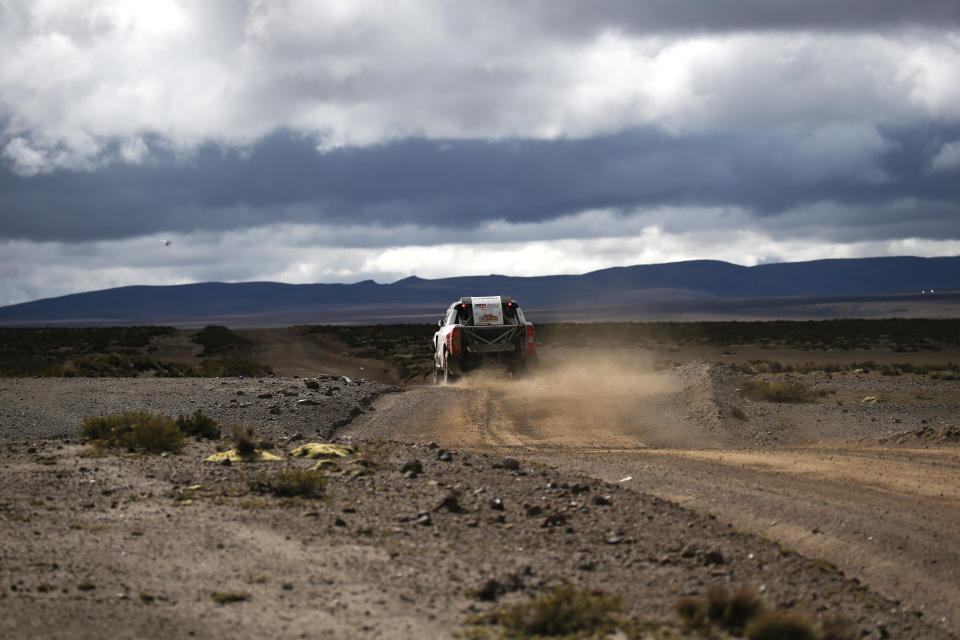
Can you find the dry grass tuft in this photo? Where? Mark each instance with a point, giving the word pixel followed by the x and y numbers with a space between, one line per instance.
pixel 228 597
pixel 786 391
pixel 568 611
pixel 199 425
pixel 243 441
pixel 290 483
pixel 778 625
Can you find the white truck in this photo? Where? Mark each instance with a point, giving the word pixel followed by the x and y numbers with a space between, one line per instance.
pixel 482 331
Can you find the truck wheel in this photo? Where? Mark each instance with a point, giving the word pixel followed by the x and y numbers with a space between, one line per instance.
pixel 448 378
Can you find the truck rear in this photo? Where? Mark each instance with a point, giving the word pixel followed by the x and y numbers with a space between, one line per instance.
pixel 480 332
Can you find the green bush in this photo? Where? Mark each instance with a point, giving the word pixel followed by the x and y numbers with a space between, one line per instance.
pixel 786 391
pixel 135 431
pixel 199 425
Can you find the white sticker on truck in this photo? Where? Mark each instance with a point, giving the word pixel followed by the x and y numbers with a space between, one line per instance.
pixel 487 310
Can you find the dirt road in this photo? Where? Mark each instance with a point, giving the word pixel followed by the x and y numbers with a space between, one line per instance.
pixel 887 516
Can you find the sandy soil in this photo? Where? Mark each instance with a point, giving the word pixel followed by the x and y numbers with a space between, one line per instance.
pixel 807 502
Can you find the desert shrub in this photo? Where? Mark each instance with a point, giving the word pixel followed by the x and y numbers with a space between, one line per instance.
pixel 779 625
pixel 290 483
pixel 568 610
pixel 692 611
pixel 243 440
pixel 786 391
pixel 116 365
pixel 738 413
pixel 217 340
pixel 134 430
pixel 227 367
pixel 199 425
pixel 733 610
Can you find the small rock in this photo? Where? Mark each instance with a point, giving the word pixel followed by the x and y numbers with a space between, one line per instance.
pixel 413 465
pixel 490 590
pixel 713 557
pixel 423 518
pixel 311 383
pixel 600 500
pixel 339 522
pixel 264 396
pixel 554 520
pixel 451 503
pixel 510 464
pixel 444 456
pixel 432 445
pixel 307 402
pixel 226 462
pixel 496 504
pixel 578 488
pixel 287 586
pixel 534 510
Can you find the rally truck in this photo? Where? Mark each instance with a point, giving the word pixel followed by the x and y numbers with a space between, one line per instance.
pixel 482 331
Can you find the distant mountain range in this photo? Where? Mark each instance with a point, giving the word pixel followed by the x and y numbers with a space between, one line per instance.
pixel 699 287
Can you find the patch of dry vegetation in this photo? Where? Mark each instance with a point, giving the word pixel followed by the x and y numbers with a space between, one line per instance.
pixel 290 483
pixel 743 614
pixel 134 431
pixel 566 612
pixel 199 425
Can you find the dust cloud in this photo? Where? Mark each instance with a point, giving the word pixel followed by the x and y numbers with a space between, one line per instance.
pixel 582 398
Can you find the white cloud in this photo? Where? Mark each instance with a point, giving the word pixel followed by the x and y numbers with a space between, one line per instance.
pixel 74 75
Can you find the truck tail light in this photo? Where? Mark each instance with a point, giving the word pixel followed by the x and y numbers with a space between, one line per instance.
pixel 453 342
pixel 531 338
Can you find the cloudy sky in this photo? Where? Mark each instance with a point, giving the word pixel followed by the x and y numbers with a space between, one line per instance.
pixel 311 141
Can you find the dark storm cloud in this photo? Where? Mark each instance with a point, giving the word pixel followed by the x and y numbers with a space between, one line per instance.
pixel 721 15
pixel 461 184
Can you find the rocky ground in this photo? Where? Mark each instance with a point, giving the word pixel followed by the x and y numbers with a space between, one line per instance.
pixel 410 539
pixel 142 546
pixel 279 408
